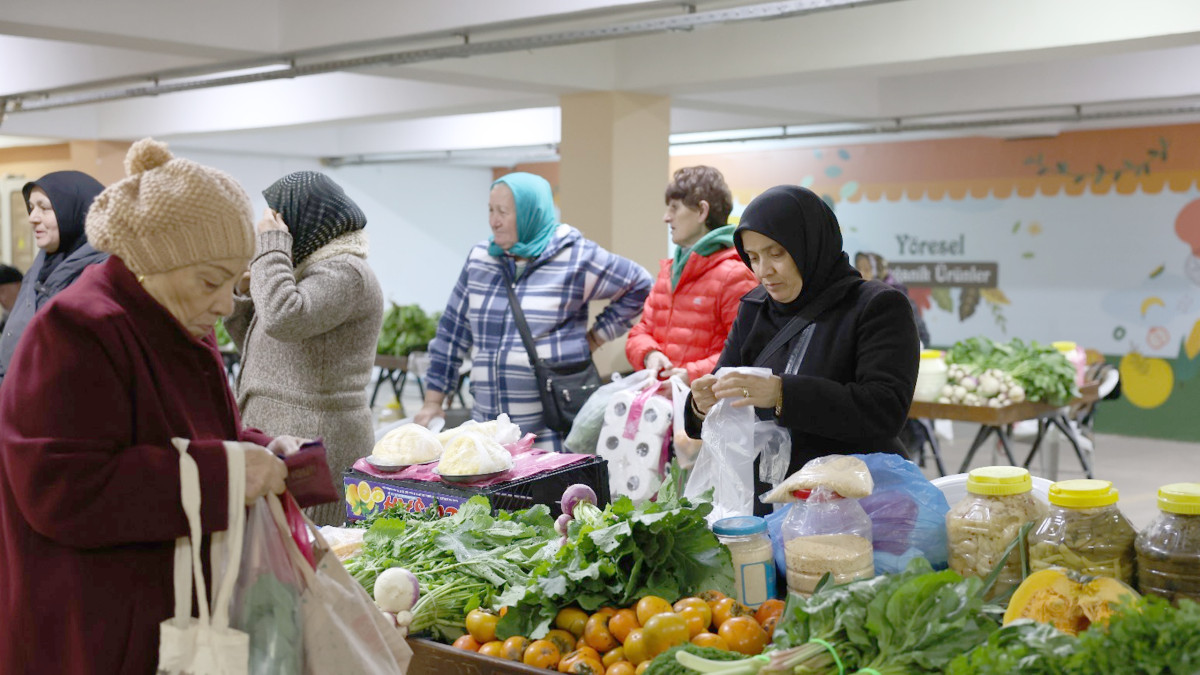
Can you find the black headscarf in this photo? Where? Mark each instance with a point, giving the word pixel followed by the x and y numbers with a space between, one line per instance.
pixel 315 209
pixel 71 194
pixel 805 226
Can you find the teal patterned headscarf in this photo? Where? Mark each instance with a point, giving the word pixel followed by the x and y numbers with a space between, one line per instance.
pixel 536 220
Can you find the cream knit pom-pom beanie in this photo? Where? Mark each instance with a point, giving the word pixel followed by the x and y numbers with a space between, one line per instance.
pixel 170 213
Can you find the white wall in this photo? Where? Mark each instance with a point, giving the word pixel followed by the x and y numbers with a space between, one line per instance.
pixel 421 219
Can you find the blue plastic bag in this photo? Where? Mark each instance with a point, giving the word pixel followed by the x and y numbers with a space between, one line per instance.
pixel 908 516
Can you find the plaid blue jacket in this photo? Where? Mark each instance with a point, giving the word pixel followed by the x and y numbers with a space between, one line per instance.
pixel 554 291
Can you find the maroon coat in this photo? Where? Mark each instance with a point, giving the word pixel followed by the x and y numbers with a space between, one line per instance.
pixel 103 378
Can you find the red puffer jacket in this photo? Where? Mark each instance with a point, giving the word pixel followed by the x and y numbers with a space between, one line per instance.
pixel 689 324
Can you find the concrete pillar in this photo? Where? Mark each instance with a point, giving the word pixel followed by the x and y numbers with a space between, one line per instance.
pixel 612 173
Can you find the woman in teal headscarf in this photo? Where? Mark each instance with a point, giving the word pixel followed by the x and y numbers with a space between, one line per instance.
pixel 556 273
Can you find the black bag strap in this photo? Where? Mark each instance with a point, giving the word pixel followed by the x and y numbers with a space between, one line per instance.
pixel 519 314
pixel 807 316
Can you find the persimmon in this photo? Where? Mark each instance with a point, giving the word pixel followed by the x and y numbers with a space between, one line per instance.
pixel 494 648
pixel 697 621
pixel 711 596
pixel 710 640
pixel 698 605
pixel 561 639
pixel 621 668
pixel 637 649
pixel 649 606
pixel 664 631
pixel 597 635
pixel 612 656
pixel 770 608
pixel 466 642
pixel 728 608
pixel 572 620
pixel 622 622
pixel 514 648
pixel 481 624
pixel 541 654
pixel 743 634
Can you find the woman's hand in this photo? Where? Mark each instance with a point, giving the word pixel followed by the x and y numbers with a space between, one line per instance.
pixel 265 473
pixel 428 412
pixel 243 284
pixel 755 390
pixel 283 446
pixel 593 342
pixel 271 221
pixel 657 361
pixel 681 373
pixel 702 393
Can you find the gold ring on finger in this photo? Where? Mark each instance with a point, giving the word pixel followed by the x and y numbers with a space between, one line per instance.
pixel 745 393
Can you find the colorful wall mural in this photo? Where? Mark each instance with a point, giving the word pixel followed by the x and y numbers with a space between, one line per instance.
pixel 1088 236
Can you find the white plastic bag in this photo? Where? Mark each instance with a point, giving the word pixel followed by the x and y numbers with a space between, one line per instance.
pixel 267 597
pixel 686 447
pixel 726 460
pixel 773 444
pixel 585 430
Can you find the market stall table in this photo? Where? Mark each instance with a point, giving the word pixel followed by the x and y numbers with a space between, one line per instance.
pixel 998 420
pixel 435 658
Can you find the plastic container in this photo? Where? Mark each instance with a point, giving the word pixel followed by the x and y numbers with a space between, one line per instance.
pixel 1084 531
pixel 826 533
pixel 1076 356
pixel 1168 550
pixel 753 559
pixel 931 376
pixel 981 525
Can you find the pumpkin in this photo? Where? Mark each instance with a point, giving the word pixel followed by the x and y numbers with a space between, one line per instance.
pixel 1065 600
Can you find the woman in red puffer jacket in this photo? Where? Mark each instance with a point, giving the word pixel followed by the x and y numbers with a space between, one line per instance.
pixel 695 297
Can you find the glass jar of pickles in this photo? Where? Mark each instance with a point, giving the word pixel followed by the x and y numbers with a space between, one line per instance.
pixel 980 527
pixel 1084 531
pixel 1168 550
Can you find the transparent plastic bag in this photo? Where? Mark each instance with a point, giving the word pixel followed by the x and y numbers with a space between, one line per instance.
pixel 908 514
pixel 726 460
pixel 822 532
pixel 773 444
pixel 585 430
pixel 267 598
pixel 847 475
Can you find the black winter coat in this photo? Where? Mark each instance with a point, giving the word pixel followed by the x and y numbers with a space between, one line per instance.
pixel 854 387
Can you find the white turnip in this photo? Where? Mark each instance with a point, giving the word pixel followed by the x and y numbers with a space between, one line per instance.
pixel 397 590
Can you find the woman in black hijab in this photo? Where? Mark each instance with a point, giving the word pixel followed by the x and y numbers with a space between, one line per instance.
pixel 844 351
pixel 57 204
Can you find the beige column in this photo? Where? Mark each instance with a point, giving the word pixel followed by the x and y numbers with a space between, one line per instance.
pixel 612 173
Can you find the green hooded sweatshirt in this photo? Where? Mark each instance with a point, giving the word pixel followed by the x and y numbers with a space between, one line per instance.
pixel 715 240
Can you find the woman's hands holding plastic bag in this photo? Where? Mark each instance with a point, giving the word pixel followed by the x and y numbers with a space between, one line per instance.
pixel 758 390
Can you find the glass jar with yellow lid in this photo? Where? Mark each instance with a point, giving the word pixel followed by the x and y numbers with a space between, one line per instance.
pixel 1084 531
pixel 932 375
pixel 1168 550
pixel 980 526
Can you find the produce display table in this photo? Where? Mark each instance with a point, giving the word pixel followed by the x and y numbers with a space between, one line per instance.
pixel 998 420
pixel 435 658
pixel 393 370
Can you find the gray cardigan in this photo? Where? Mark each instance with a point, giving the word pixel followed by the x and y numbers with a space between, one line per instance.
pixel 307 339
pixel 33 295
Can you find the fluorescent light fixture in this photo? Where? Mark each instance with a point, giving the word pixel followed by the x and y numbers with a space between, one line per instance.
pixel 223 74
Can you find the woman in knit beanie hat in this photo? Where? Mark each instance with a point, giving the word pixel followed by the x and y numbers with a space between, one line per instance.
pixel 306 321
pixel 57 204
pixel 109 372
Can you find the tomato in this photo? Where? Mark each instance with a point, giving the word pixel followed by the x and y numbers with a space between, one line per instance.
pixel 561 639
pixel 622 622
pixel 726 609
pixel 572 620
pixel 467 642
pixel 710 640
pixel 494 648
pixel 649 606
pixel 612 656
pixel 621 668
pixel 597 635
pixel 541 654
pixel 695 620
pixel 768 609
pixel 636 648
pixel 481 624
pixel 744 635
pixel 514 648
pixel 698 605
pixel 664 631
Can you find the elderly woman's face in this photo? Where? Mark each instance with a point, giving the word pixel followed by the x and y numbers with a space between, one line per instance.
pixel 773 266
pixel 863 264
pixel 502 216
pixel 199 294
pixel 43 221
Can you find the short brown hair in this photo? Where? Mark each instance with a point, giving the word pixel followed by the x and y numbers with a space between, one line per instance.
pixel 693 184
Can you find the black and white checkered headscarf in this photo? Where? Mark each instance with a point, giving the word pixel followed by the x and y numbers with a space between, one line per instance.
pixel 315 209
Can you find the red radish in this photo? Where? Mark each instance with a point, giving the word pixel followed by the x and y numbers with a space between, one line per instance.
pixel 574 495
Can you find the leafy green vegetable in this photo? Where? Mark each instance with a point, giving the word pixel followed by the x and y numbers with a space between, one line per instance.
pixel 620 554
pixel 462 561
pixel 667 664
pixel 406 329
pixel 1022 647
pixel 223 338
pixel 1043 371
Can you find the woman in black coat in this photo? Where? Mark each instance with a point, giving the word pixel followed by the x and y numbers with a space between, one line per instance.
pixel 844 351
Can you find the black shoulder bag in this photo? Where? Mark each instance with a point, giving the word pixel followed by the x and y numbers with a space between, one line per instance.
pixel 562 388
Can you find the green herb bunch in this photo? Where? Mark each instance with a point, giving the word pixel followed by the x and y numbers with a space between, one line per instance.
pixel 1043 371
pixel 406 329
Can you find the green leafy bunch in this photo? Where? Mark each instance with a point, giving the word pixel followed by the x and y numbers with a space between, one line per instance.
pixel 618 555
pixel 1043 371
pixel 462 561
pixel 406 329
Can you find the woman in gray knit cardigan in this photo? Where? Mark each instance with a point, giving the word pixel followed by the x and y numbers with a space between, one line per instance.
pixel 306 322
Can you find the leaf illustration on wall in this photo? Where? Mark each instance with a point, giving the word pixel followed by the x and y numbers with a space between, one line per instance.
pixel 1157 271
pixel 941 295
pixel 995 296
pixel 968 300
